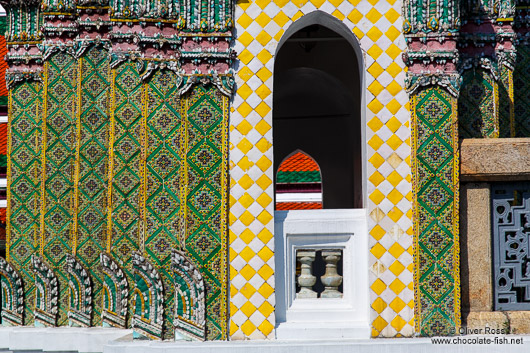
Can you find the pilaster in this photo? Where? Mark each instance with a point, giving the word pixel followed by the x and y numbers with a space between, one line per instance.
pixel 433 83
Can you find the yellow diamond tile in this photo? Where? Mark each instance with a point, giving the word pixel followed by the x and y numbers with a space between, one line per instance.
pixel 245 164
pixel 263 163
pixel 264 200
pixel 244 20
pixel 244 145
pixel 397 304
pixel 375 70
pixel 233 326
pixel 265 236
pixel 379 305
pixel 398 323
pixel 393 124
pixel 266 290
pixel 263 91
pixel 245 39
pixel 375 124
pixel 355 16
pixel 248 309
pixel 281 3
pixel 318 3
pixel 266 327
pixel 396 250
pixel 263 38
pixel 396 286
pixel 264 217
pixel 263 19
pixel 395 214
pixel 394 196
pixel 247 236
pixel 375 106
pixel 375 87
pixel 231 219
pixel 377 196
pixel 358 33
pixel 374 34
pixel 281 19
pixel 244 91
pixel 262 3
pixel 247 254
pixel 394 142
pixel 232 201
pixel 263 145
pixel 264 182
pixel 247 218
pixel 392 33
pixel 378 286
pixel 247 272
pixel 248 328
pixel 394 178
pixel 377 232
pixel 264 56
pixel 376 160
pixel 379 324
pixel 246 200
pixel 373 15
pixel 396 268
pixel 248 290
pixel 244 127
pixel 378 250
pixel 232 254
pixel 266 309
pixel 393 106
pixel 264 74
pixel 244 109
pixel 375 142
pixel 339 15
pixel 393 51
pixel 265 272
pixel 262 127
pixel 394 69
pixel 336 3
pixel 392 15
pixel 245 182
pixel 265 254
pixel 376 178
pixel 245 56
pixel 245 73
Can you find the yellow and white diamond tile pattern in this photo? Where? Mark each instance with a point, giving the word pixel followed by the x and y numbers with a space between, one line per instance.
pixel 377 24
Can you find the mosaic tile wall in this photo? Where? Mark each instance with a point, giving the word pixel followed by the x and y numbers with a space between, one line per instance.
pixel 377 25
pixel 477 105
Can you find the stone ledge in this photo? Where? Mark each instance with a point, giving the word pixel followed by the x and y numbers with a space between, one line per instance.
pixel 505 159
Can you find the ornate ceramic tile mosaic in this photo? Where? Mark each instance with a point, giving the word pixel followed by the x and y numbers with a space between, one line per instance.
pixel 478 105
pixel 126 138
pixel 90 220
pixel 59 143
pixel 436 166
pixel 25 107
pixel 521 92
pixel 377 26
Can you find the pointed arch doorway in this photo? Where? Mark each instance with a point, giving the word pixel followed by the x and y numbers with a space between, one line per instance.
pixel 318 108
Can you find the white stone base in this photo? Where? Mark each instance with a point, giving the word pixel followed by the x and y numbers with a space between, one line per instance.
pixel 382 345
pixel 83 340
pixel 321 330
pixel 108 340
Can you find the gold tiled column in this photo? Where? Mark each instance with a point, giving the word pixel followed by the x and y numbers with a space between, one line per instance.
pixel 377 25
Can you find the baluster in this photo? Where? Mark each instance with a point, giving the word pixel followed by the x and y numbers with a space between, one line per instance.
pixel 306 280
pixel 331 279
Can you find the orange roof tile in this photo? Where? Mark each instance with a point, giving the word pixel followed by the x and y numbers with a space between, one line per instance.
pixel 3 66
pixel 284 206
pixel 299 162
pixel 3 139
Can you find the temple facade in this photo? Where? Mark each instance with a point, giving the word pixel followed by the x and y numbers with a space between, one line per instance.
pixel 261 169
